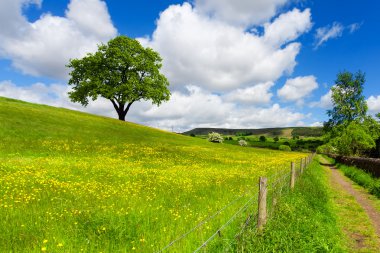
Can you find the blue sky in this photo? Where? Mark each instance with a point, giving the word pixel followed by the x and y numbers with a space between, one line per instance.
pixel 283 80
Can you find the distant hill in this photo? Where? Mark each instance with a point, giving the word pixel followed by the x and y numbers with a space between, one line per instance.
pixel 285 131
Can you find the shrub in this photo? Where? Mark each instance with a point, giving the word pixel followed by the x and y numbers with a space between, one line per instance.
pixel 192 135
pixel 326 149
pixel 230 138
pixel 215 137
pixel 284 148
pixel 243 143
pixel 276 139
pixel 263 138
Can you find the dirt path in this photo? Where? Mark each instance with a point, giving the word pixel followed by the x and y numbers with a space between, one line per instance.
pixel 338 180
pixel 360 197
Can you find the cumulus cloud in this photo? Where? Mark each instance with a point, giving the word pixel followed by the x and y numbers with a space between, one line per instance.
pixel 325 101
pixel 240 12
pixel 220 74
pixel 258 94
pixel 200 108
pixel 44 47
pixel 287 27
pixel 295 89
pixel 213 54
pixel 373 103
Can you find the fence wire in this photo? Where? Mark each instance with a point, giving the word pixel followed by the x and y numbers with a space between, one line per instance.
pixel 277 185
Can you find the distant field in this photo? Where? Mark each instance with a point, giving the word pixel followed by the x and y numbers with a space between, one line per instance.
pixel 73 182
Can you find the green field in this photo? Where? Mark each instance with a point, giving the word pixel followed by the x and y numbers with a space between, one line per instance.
pixel 73 182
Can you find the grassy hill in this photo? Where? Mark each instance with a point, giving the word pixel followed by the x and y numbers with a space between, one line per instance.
pixel 73 182
pixel 271 132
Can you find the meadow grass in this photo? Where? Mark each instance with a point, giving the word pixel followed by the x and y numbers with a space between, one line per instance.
pixel 73 182
pixel 304 220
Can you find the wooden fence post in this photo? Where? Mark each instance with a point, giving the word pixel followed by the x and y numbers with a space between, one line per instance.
pixel 262 212
pixel 293 176
pixel 301 164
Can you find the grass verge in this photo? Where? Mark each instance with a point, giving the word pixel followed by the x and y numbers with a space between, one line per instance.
pixel 305 220
pixel 362 178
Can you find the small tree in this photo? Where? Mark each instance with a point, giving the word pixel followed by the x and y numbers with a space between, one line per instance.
pixel 215 137
pixel 243 143
pixel 262 138
pixel 349 104
pixel 276 139
pixel 284 148
pixel 121 71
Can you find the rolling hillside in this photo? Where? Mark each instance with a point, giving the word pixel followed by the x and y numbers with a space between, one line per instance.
pixel 73 182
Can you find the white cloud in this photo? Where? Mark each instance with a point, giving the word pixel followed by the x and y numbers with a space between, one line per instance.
pixel 296 89
pixel 333 31
pixel 258 94
pixel 240 12
pixel 220 74
pixel 373 103
pixel 354 27
pixel 44 47
pixel 287 27
pixel 316 124
pixel 325 101
pixel 215 55
pixel 200 108
pixel 328 32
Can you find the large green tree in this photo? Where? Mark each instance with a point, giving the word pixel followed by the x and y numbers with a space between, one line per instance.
pixel 348 101
pixel 121 71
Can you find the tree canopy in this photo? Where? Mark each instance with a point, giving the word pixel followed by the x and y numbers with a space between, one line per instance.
pixel 348 101
pixel 350 131
pixel 122 71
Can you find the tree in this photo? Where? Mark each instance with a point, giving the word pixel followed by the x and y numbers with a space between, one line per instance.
pixel 354 140
pixel 276 139
pixel 262 138
pixel 121 71
pixel 348 101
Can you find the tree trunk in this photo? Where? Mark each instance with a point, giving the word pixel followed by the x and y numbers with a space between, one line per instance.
pixel 119 107
pixel 121 116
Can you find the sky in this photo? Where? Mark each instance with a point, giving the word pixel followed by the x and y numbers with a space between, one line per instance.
pixel 232 64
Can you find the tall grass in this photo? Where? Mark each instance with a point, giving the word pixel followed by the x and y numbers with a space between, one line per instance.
pixel 72 182
pixel 362 178
pixel 304 220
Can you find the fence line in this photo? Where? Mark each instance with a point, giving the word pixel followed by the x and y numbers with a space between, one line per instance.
pixel 293 174
pixel 243 208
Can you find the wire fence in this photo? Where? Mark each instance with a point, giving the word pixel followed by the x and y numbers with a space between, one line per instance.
pixel 253 214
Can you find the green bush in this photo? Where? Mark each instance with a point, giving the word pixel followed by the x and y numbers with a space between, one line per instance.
pixel 276 139
pixel 326 149
pixel 263 138
pixel 215 137
pixel 284 148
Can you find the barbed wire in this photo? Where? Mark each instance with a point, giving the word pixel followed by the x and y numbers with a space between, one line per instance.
pixel 243 208
pixel 272 186
pixel 203 222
